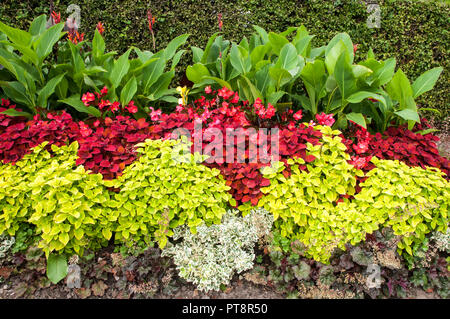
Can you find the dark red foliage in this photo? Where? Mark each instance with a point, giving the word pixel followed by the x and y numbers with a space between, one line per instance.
pixel 109 146
pixel 20 136
pixel 221 113
pixel 397 143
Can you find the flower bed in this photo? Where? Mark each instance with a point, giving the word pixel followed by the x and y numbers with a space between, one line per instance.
pixel 349 162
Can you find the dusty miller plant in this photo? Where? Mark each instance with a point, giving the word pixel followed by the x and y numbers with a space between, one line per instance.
pixel 210 257
pixel 442 240
pixel 5 244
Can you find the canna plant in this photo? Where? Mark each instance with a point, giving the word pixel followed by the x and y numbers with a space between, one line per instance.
pixel 30 80
pixel 143 79
pixel 265 67
pixel 368 92
pixel 26 78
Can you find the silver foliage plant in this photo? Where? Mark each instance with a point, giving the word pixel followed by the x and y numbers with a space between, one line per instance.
pixel 210 257
pixel 442 240
pixel 5 244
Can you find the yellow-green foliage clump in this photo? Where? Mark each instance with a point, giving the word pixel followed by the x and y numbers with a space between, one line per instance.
pixel 159 193
pixel 63 201
pixel 308 205
pixel 412 200
pixel 73 209
pixel 305 204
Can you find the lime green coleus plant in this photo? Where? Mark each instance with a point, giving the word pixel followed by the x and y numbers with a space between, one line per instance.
pixel 165 188
pixel 412 200
pixel 309 205
pixel 62 200
pixel 73 210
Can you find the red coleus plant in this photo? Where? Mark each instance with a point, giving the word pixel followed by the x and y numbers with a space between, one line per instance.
pixel 108 146
pixel 223 112
pixel 20 136
pixel 396 143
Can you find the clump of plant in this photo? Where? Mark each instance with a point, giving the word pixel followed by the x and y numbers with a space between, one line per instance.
pixel 311 205
pixel 164 188
pixel 210 257
pixel 412 200
pixel 63 201
pixel 6 243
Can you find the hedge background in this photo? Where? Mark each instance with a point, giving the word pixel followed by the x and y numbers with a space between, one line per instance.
pixel 415 32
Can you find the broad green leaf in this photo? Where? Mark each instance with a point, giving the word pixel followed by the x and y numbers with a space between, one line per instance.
pixel 333 55
pixel 362 95
pixel 254 91
pixel 98 44
pixel 400 89
pixel 26 51
pixel 151 74
pixel 426 81
pixel 274 97
pixel 288 58
pixel 385 73
pixel 303 46
pixel 14 112
pixel 358 118
pixel 262 33
pixel 161 86
pixel 205 55
pixel 343 74
pixel 38 25
pixel 240 63
pixel 196 72
pixel 44 44
pixel 346 40
pixel 173 45
pixel 48 90
pixel 17 36
pixel 128 91
pixel 75 102
pixel 314 78
pixel 18 93
pixel 279 76
pixel 176 59
pixel 56 268
pixel 258 53
pixel 120 69
pixel 263 80
pixel 277 42
pixel 197 54
pixel 220 81
pixel 408 114
pixel 360 71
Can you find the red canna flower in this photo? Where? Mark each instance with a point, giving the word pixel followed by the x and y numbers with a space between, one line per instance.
pixel 355 47
pixel 150 19
pixel 100 27
pixel 75 37
pixel 104 91
pixel 56 17
pixel 219 18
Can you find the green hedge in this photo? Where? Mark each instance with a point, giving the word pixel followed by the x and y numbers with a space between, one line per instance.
pixel 415 32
